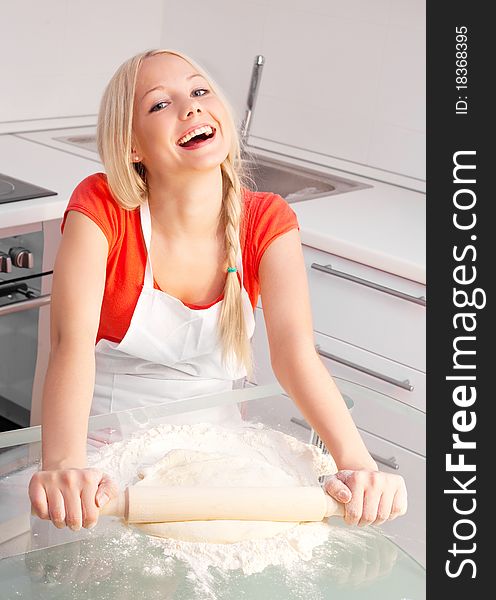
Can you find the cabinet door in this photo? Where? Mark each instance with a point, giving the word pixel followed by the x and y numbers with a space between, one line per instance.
pixel 367 308
pixel 348 363
pixel 385 417
pixel 398 381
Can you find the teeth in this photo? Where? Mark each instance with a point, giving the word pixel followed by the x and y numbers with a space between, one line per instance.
pixel 199 131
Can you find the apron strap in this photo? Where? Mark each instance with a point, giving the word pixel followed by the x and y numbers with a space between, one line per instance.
pixel 146 228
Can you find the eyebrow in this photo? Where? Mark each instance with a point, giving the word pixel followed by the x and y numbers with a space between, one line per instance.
pixel 161 87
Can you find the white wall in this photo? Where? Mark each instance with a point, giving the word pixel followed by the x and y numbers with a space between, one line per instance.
pixel 56 56
pixel 344 78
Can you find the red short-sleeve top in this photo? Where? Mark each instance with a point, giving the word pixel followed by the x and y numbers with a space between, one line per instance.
pixel 265 216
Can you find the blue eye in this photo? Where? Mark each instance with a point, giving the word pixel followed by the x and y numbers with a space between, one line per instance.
pixel 164 103
pixel 155 108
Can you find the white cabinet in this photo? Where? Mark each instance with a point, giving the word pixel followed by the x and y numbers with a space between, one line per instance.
pixel 372 370
pixel 383 416
pixel 369 329
pixel 366 307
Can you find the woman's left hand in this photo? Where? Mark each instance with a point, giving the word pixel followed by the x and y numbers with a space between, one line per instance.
pixel 369 497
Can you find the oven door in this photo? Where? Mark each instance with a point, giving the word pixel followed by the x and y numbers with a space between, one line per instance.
pixel 24 319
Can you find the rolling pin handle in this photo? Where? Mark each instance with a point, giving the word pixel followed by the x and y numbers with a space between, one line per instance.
pixel 334 508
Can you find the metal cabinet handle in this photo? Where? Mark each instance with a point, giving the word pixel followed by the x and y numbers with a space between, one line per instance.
pixel 405 385
pixel 25 305
pixel 375 286
pixel 388 462
pixel 317 441
pixel 301 423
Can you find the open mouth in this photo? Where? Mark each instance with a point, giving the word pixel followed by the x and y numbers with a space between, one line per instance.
pixel 199 140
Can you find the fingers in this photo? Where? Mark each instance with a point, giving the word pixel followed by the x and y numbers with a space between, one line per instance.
pixel 337 489
pixel 354 508
pixel 94 481
pixel 67 497
pixel 400 502
pixel 73 509
pixel 38 497
pixel 384 508
pixel 107 489
pixel 56 507
pixel 71 491
pixel 376 497
pixel 89 507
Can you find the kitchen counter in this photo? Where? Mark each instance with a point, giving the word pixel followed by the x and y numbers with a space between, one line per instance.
pixel 43 166
pixel 109 562
pixel 382 226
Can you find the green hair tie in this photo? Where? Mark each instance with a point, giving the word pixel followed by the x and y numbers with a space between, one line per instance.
pixel 231 269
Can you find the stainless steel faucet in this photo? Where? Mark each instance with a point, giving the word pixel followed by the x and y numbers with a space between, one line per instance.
pixel 252 96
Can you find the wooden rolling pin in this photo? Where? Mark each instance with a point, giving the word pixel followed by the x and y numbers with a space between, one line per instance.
pixel 147 504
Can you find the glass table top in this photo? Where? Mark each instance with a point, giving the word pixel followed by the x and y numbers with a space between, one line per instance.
pixel 115 561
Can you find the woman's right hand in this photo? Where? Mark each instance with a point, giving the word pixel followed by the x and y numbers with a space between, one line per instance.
pixel 70 497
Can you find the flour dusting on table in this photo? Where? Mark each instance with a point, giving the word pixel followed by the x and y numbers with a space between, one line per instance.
pixel 303 463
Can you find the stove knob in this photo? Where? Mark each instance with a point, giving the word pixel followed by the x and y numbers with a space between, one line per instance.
pixel 5 263
pixel 21 258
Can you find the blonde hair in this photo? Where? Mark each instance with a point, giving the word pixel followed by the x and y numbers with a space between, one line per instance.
pixel 127 182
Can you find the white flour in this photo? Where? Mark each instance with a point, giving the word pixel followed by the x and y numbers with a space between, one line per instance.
pixel 304 463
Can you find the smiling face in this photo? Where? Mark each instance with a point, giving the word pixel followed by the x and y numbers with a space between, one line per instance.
pixel 172 98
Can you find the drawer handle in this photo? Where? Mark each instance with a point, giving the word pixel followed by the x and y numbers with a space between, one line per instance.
pixel 388 462
pixel 405 385
pixel 317 441
pixel 375 286
pixel 301 423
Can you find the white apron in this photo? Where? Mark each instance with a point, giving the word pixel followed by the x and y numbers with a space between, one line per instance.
pixel 169 353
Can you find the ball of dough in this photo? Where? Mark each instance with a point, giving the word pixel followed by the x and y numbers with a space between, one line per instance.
pixel 207 469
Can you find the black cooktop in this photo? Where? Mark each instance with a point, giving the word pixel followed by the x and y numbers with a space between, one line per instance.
pixel 12 190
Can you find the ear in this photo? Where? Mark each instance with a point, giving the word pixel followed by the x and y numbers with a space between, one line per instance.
pixel 135 153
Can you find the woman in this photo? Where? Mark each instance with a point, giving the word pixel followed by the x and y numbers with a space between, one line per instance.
pixel 171 214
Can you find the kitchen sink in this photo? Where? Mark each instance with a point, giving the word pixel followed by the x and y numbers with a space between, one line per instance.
pixel 296 183
pixel 293 183
pixel 85 141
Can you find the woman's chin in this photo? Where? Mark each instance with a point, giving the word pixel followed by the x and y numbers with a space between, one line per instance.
pixel 208 161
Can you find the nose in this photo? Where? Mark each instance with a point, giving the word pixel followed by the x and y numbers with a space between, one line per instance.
pixel 192 107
